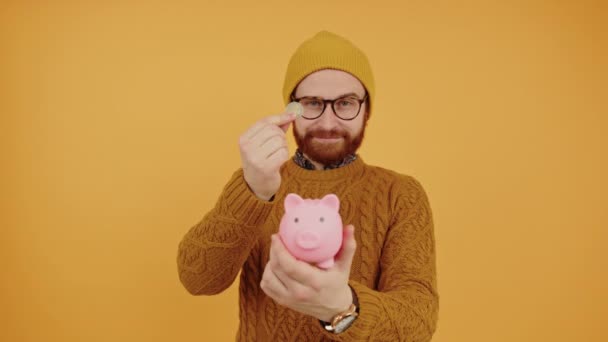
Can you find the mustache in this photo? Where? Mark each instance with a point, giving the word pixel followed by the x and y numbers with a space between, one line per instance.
pixel 334 133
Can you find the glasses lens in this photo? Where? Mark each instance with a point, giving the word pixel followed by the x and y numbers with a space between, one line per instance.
pixel 346 107
pixel 312 107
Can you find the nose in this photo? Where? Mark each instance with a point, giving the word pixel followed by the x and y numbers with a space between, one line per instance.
pixel 328 119
pixel 307 239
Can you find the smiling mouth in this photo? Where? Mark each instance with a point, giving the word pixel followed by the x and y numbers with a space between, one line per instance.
pixel 328 139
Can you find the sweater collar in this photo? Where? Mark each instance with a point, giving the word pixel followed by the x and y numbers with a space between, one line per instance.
pixel 305 163
pixel 353 169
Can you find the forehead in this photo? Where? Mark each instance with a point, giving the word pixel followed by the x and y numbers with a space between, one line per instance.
pixel 329 83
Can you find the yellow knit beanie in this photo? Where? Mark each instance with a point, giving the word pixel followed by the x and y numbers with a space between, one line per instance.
pixel 327 50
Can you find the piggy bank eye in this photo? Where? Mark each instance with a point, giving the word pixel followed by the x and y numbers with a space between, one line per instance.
pixel 295 220
pixel 321 219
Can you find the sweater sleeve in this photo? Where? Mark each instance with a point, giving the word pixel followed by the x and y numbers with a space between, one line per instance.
pixel 213 251
pixel 405 306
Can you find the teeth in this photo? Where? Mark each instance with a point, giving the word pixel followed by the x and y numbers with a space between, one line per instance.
pixel 295 107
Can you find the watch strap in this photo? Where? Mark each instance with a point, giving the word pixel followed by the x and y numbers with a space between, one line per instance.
pixel 353 310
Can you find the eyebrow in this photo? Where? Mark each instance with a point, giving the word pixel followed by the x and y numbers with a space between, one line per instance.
pixel 337 97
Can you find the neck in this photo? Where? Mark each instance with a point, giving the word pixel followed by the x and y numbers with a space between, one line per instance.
pixel 318 166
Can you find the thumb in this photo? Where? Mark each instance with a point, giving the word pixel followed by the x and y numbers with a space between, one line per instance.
pixel 285 126
pixel 283 120
pixel 344 259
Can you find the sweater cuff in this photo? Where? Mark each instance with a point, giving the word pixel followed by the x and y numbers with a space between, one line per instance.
pixel 370 311
pixel 242 204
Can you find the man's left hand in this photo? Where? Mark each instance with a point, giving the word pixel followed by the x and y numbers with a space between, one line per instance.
pixel 306 288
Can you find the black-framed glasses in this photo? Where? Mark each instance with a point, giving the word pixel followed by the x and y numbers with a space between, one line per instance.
pixel 345 107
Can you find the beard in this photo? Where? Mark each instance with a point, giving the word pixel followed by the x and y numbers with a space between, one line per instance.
pixel 328 153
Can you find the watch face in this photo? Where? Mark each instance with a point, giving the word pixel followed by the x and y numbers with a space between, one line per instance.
pixel 344 324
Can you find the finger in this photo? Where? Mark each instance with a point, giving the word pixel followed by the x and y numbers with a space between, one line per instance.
pixel 272 145
pixel 261 154
pixel 285 127
pixel 275 267
pixel 276 120
pixel 344 258
pixel 255 129
pixel 297 270
pixel 296 290
pixel 278 157
pixel 281 119
pixel 272 285
pixel 263 135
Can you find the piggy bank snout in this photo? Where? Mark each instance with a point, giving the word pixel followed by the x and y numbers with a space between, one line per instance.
pixel 307 239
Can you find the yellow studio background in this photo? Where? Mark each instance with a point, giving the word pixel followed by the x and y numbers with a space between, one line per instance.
pixel 120 123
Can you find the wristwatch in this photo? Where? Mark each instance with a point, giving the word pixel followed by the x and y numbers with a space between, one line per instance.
pixel 343 320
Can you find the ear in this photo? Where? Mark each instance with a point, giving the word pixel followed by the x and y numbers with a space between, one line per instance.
pixel 331 201
pixel 292 201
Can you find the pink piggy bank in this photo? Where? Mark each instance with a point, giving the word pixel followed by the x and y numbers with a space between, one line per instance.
pixel 311 229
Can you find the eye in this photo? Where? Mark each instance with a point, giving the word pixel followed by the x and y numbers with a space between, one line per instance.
pixel 295 220
pixel 321 219
pixel 311 103
pixel 346 102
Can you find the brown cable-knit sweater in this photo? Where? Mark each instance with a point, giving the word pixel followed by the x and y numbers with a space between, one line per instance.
pixel 393 270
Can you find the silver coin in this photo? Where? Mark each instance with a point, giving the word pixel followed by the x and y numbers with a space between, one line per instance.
pixel 295 107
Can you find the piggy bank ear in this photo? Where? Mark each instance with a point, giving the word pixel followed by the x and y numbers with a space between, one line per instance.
pixel 331 201
pixel 292 201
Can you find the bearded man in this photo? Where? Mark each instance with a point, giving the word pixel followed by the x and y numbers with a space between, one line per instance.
pixel 383 284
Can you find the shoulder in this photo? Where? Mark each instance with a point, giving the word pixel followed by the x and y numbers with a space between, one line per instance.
pixel 405 192
pixel 399 183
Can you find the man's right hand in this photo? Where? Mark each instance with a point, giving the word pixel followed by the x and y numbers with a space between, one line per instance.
pixel 263 150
